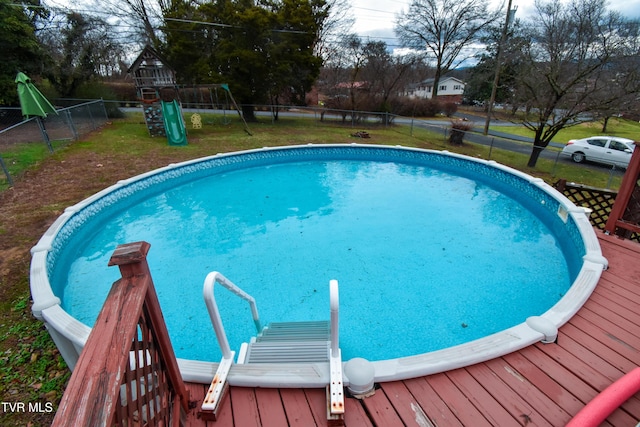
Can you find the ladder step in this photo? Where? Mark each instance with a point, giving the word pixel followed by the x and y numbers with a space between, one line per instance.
pixel 288 352
pixel 295 331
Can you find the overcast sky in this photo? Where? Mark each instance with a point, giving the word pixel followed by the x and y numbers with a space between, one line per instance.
pixel 375 16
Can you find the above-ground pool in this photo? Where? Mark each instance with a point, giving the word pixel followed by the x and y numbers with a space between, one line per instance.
pixel 441 258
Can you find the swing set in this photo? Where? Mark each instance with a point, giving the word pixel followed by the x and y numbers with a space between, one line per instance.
pixel 153 77
pixel 214 101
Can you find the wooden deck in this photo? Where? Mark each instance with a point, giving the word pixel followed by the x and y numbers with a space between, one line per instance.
pixel 542 385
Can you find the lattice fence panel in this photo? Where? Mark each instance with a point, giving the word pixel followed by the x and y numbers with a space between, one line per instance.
pixel 599 201
pixel 145 395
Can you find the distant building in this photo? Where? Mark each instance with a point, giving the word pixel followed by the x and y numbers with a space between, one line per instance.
pixel 449 89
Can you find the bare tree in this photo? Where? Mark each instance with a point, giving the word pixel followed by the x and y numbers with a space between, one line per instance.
pixel 443 29
pixel 385 73
pixel 568 75
pixel 139 21
pixel 337 24
pixel 81 49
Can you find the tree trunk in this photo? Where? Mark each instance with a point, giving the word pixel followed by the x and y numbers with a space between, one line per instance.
pixel 456 137
pixel 535 153
pixel 604 125
pixel 436 82
pixel 249 113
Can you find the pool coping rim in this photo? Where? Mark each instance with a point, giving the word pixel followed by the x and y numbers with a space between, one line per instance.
pixel 70 335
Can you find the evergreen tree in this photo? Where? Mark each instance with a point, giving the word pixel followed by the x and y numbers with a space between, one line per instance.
pixel 265 50
pixel 19 45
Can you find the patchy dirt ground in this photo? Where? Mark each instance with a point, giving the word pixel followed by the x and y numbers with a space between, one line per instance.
pixel 26 211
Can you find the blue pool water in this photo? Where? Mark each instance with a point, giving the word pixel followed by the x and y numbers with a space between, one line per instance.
pixel 426 258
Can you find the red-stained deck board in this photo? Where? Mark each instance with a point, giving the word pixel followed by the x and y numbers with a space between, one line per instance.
pixel 196 392
pixel 627 318
pixel 611 329
pixel 432 405
pixel 610 372
pixel 608 354
pixel 589 374
pixel 528 392
pixel 245 407
pixel 403 401
pixel 381 411
pixel 615 279
pixel 560 373
pixel 630 288
pixel 270 407
pixel 355 415
pixel 613 297
pixel 317 399
pixel 480 396
pixel 606 338
pixel 457 401
pixel 536 380
pixel 519 409
pixel 578 367
pixel 297 408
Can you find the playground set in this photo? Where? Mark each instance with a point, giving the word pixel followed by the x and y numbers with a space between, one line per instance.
pixel 159 94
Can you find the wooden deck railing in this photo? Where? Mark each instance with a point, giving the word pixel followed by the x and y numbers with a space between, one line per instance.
pixel 625 215
pixel 127 373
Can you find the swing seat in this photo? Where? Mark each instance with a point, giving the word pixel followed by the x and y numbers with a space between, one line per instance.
pixel 196 121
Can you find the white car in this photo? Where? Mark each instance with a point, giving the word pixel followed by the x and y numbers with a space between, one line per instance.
pixel 610 150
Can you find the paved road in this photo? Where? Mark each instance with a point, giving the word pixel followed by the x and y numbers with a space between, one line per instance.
pixel 504 141
pixel 495 139
pixel 501 140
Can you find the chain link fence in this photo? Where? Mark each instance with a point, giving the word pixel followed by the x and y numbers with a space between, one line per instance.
pixel 25 142
pixel 22 143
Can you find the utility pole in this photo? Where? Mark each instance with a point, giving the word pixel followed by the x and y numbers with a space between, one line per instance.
pixel 496 77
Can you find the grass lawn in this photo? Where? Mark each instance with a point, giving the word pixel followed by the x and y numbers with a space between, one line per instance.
pixel 615 127
pixel 31 369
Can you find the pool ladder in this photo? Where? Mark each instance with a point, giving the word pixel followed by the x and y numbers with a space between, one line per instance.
pixel 289 342
pixel 278 342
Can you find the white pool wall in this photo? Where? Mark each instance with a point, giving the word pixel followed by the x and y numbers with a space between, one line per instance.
pixel 70 335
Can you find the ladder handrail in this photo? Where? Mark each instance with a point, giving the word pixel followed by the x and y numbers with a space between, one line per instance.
pixel 209 299
pixel 334 307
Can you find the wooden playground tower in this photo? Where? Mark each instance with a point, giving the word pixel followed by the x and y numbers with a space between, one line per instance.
pixel 151 76
pixel 155 80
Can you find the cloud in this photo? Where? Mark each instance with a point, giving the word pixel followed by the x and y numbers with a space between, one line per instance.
pixel 375 16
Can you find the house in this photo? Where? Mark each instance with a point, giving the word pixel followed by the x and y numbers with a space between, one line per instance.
pixel 449 89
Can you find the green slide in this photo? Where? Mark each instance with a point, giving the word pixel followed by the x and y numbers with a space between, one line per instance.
pixel 174 123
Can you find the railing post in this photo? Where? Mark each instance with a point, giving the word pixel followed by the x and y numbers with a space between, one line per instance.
pixel 131 258
pixel 127 347
pixel 628 186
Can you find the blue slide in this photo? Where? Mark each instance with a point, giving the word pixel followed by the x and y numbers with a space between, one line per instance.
pixel 174 123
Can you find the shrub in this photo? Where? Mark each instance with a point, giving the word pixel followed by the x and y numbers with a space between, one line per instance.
pixel 458 129
pixel 98 90
pixel 417 107
pixel 449 108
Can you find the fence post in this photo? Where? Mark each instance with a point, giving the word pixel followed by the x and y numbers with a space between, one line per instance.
pixel 6 172
pixel 93 122
pixel 104 109
pixel 72 125
pixel 611 172
pixel 555 165
pixel 45 135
